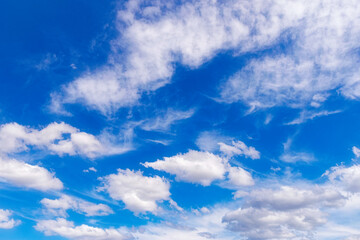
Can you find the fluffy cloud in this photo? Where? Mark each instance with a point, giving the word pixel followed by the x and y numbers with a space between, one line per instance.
pixel 5 221
pixel 202 168
pixel 349 177
pixel 268 224
pixel 191 34
pixel 322 57
pixel 65 202
pixel 239 148
pixel 29 176
pixel 193 166
pixel 239 177
pixel 58 138
pixel 67 229
pixel 138 192
pixel 283 213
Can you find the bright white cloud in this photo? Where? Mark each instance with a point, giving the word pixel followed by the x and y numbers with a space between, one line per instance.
pixel 193 166
pixel 61 205
pixel 25 175
pixel 322 57
pixel 139 193
pixel 67 229
pixel 239 177
pixel 5 221
pixel 239 148
pixel 58 138
pixel 190 34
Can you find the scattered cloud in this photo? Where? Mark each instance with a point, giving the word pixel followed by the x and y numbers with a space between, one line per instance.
pixel 320 60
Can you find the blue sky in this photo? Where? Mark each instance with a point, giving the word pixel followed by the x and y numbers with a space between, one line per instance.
pixel 179 120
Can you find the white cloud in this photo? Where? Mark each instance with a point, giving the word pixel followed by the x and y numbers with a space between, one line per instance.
pixel 306 115
pixel 138 192
pixel 92 169
pixel 67 229
pixel 287 197
pixel 293 157
pixel 239 177
pixel 190 34
pixel 268 224
pixel 356 151
pixel 239 148
pixel 193 166
pixel 5 221
pixel 322 57
pixel 208 141
pixel 61 205
pixel 29 176
pixel 349 177
pixel 164 122
pixel 284 213
pixel 58 138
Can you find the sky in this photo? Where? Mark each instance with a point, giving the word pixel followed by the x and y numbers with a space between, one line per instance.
pixel 196 120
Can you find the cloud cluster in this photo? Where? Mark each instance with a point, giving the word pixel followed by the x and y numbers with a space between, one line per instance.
pixel 151 42
pixel 284 213
pixel 61 205
pixel 322 57
pixel 139 193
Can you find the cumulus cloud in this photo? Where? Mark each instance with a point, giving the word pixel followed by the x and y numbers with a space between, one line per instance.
pixel 61 205
pixel 58 138
pixel 348 177
pixel 283 213
pixel 67 229
pixel 5 221
pixel 202 168
pixel 268 224
pixel 239 148
pixel 193 166
pixel 239 177
pixel 25 175
pixel 139 193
